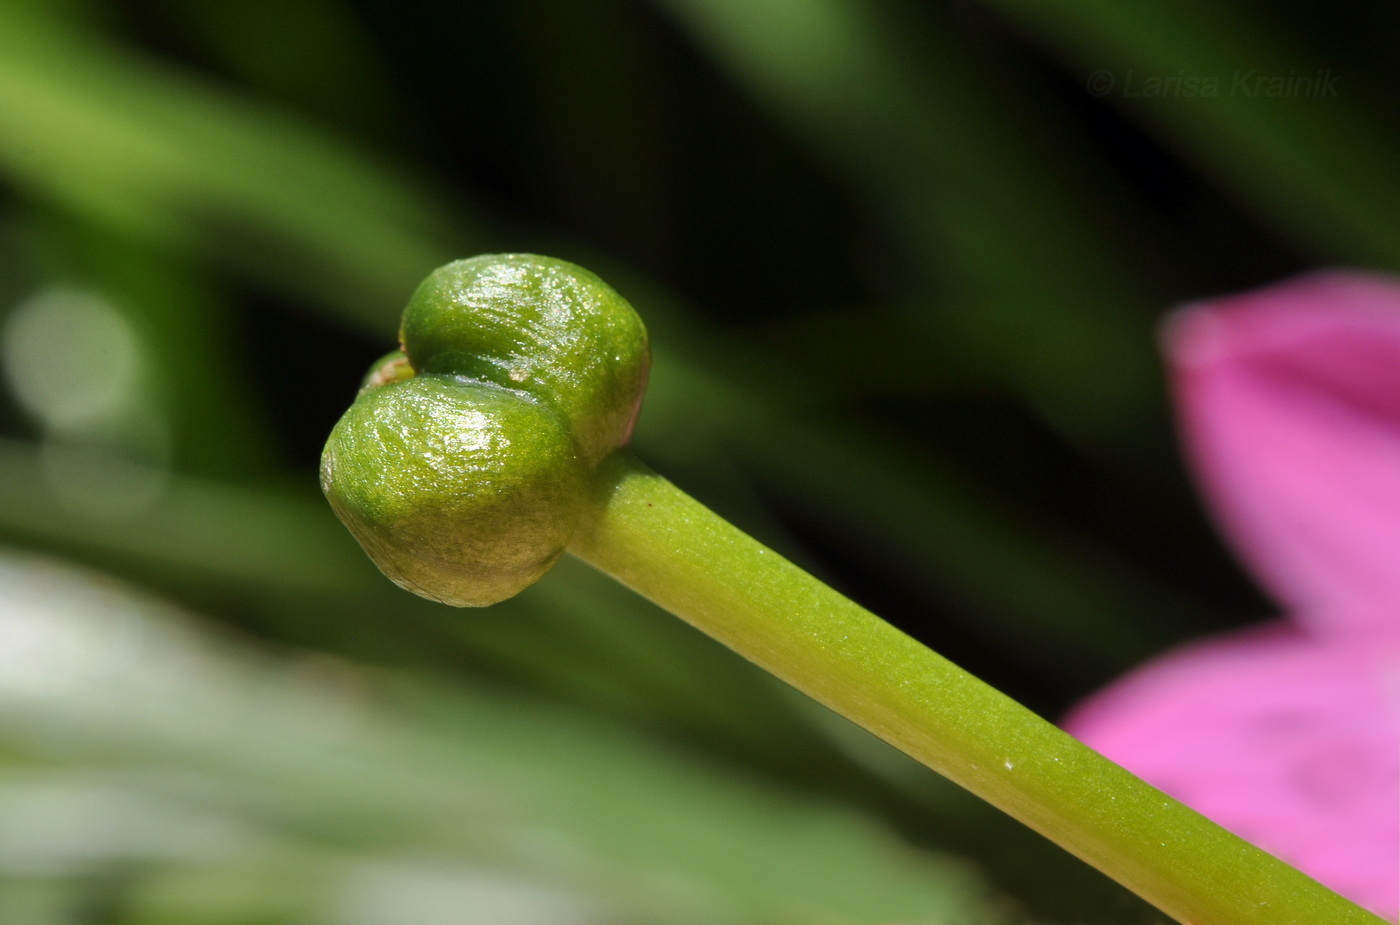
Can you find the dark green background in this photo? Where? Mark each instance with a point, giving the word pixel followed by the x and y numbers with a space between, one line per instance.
pixel 903 270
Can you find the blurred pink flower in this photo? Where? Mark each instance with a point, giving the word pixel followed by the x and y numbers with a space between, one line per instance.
pixel 1289 734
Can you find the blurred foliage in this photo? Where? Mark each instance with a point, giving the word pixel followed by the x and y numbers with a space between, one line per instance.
pixel 902 263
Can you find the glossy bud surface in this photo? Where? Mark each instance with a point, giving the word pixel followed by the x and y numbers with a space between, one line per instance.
pixel 464 464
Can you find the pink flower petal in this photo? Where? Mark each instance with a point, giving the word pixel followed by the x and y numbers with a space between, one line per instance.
pixel 1290 405
pixel 1290 743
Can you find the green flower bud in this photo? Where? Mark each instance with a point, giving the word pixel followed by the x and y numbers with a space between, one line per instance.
pixel 536 325
pixel 392 367
pixel 465 463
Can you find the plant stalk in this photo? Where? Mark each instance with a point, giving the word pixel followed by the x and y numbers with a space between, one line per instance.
pixel 652 537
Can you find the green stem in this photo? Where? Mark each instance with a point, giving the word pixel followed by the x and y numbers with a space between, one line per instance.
pixel 655 539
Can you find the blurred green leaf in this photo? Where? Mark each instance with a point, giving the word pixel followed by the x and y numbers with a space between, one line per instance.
pixel 324 765
pixel 145 151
